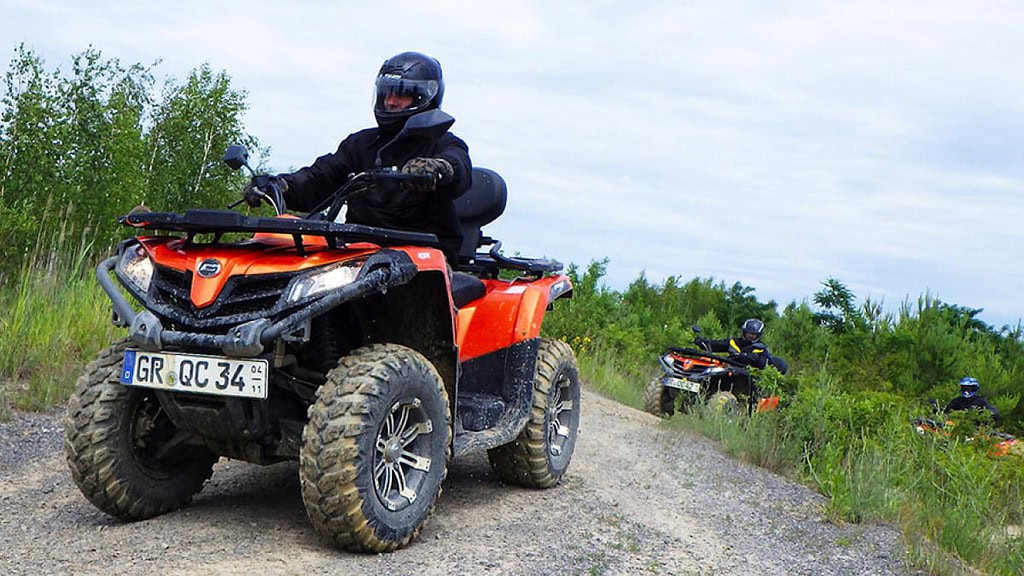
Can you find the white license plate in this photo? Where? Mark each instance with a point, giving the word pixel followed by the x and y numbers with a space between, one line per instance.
pixel 681 383
pixel 194 373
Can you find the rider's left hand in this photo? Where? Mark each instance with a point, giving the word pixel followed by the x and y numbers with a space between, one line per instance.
pixel 282 184
pixel 439 169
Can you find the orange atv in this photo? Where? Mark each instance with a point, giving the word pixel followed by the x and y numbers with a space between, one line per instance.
pixel 691 376
pixel 350 349
pixel 1002 444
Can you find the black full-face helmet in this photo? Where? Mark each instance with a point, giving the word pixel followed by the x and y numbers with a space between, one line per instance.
pixel 752 329
pixel 409 74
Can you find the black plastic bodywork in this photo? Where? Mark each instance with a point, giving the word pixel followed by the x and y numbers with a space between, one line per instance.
pixel 504 378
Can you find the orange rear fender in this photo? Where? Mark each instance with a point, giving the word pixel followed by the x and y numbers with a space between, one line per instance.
pixel 510 312
pixel 769 404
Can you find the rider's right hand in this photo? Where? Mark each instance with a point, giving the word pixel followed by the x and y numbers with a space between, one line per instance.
pixel 253 197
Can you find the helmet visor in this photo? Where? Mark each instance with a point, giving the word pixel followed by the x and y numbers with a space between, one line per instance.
pixel 397 95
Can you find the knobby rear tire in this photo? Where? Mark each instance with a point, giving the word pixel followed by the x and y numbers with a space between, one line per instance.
pixel 540 455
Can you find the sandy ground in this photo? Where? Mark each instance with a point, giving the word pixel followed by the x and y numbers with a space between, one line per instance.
pixel 639 498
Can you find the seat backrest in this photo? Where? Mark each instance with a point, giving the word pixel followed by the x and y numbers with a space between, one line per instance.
pixel 478 206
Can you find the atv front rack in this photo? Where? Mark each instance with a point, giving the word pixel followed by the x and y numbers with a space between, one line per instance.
pixel 706 354
pixel 218 222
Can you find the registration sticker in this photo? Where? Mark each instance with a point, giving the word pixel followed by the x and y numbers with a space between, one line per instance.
pixel 215 375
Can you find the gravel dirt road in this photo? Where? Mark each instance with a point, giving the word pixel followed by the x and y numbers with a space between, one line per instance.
pixel 639 498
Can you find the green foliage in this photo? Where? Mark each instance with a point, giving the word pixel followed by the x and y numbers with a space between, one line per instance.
pixel 77 151
pixel 838 313
pixel 56 318
pixel 858 376
pixel 645 319
pixel 796 337
pixel 192 126
pixel 94 143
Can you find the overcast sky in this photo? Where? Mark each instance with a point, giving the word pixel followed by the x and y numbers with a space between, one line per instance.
pixel 774 144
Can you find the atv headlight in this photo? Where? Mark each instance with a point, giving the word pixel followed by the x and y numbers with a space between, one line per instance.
pixel 135 267
pixel 323 280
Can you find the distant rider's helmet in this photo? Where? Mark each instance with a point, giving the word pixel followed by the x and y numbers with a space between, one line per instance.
pixel 752 329
pixel 968 387
pixel 410 75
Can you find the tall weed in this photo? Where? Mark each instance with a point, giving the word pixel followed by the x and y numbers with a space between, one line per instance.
pixel 861 452
pixel 56 318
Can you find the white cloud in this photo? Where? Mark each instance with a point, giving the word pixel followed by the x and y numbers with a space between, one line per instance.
pixel 772 144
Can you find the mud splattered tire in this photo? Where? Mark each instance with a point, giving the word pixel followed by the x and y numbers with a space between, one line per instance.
pixel 659 400
pixel 724 403
pixel 376 448
pixel 540 455
pixel 125 455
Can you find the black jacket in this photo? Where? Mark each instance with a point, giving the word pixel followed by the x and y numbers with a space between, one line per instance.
pixel 752 353
pixel 973 403
pixel 432 212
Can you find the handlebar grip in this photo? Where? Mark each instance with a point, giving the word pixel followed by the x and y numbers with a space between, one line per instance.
pixel 408 177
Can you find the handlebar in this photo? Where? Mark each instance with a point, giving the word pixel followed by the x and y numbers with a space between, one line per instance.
pixel 393 174
pixel 358 183
pixel 268 187
pixel 263 183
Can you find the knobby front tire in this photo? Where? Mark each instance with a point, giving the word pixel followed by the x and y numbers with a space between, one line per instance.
pixel 125 454
pixel 376 449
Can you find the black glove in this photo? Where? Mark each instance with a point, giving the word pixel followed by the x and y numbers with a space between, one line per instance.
pixel 701 343
pixel 251 194
pixel 439 169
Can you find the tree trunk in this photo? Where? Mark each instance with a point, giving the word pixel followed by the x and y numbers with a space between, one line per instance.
pixel 202 165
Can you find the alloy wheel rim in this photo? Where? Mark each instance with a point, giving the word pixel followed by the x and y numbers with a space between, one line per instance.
pixel 400 464
pixel 562 417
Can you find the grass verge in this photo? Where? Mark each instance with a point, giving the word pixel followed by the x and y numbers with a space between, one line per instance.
pixel 57 318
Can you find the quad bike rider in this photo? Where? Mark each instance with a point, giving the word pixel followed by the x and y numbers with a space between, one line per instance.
pixel 346 347
pixel 691 376
pixel 1002 444
pixel 969 399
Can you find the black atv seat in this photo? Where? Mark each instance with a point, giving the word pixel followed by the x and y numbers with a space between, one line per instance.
pixel 466 288
pixel 480 205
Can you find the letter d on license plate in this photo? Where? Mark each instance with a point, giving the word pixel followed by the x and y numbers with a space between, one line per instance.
pixel 195 373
